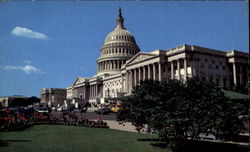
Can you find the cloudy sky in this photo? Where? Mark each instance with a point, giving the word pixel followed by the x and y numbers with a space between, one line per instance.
pixel 49 44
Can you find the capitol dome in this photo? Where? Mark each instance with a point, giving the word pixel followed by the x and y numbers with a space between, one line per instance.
pixel 118 47
pixel 120 34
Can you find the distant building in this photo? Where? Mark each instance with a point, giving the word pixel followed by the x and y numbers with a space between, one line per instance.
pixel 8 101
pixel 53 96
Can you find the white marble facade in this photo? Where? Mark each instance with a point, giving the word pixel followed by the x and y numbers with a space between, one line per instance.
pixel 122 65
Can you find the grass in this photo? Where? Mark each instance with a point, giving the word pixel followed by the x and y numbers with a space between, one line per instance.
pixel 53 138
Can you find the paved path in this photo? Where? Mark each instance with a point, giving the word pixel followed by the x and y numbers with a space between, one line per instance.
pixel 124 127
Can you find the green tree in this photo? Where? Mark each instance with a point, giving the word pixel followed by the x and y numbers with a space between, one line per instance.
pixel 33 100
pixel 138 108
pixel 178 109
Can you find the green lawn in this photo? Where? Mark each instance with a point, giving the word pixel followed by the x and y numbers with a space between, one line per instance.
pixel 49 138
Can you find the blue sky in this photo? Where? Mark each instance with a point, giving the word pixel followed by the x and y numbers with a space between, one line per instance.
pixel 49 44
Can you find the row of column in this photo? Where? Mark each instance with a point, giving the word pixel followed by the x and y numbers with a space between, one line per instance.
pixel 117 51
pixel 93 91
pixel 151 71
pixel 238 69
pixel 110 65
pixel 80 92
pixel 155 71
pixel 179 69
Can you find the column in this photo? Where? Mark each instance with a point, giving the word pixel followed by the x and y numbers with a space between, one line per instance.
pixel 178 70
pixel 90 94
pixel 154 73
pixel 135 77
pixel 94 93
pixel 108 63
pixel 126 80
pixel 172 69
pixel 193 69
pixel 166 71
pixel 185 69
pixel 91 91
pixel 144 72
pixel 139 75
pixel 241 75
pixel 159 71
pixel 84 92
pixel 112 65
pixel 96 89
pixel 221 76
pixel 149 72
pixel 130 80
pixel 234 73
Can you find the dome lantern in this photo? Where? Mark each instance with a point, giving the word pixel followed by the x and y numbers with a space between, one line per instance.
pixel 120 20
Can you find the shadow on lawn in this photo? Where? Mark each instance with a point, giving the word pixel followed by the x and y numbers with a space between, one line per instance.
pixel 157 142
pixel 7 142
pixel 197 146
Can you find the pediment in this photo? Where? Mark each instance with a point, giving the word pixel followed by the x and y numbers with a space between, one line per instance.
pixel 79 80
pixel 140 57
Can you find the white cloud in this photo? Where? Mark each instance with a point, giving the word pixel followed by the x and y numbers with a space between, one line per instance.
pixel 27 62
pixel 28 69
pixel 22 31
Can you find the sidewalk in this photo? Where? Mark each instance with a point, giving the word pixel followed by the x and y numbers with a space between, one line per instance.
pixel 124 127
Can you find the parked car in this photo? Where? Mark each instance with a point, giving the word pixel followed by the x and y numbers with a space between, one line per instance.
pixel 103 111
pixel 41 109
pixel 116 108
pixel 77 110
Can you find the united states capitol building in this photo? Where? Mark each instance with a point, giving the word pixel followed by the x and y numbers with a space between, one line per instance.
pixel 122 65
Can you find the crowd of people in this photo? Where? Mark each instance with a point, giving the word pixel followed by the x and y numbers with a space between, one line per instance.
pixel 9 121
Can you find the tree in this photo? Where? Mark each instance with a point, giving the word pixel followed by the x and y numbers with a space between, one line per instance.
pixel 139 106
pixel 178 110
pixel 33 100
